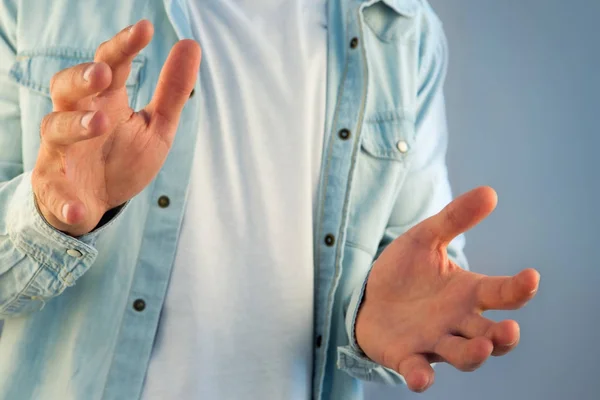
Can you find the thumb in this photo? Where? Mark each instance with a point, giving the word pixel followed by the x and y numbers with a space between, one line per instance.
pixel 459 216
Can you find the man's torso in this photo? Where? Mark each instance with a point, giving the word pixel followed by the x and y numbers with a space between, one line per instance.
pixel 91 342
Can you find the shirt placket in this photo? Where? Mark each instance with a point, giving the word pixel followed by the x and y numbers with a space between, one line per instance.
pixel 147 293
pixel 338 166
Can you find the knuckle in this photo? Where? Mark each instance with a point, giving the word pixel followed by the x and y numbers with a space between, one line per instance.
pixel 75 77
pixel 102 48
pixel 452 215
pixel 464 324
pixel 46 125
pixel 483 294
pixel 503 293
pixel 466 364
pixel 68 75
pixel 474 358
pixel 123 53
pixel 55 125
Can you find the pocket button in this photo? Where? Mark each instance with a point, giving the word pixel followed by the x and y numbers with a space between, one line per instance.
pixel 402 146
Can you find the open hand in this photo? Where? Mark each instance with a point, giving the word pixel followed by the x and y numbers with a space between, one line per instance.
pixel 420 307
pixel 96 152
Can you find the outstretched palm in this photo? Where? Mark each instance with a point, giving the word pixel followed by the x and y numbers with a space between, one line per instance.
pixel 420 307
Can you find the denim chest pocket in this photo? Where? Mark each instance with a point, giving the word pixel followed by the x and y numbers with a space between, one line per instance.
pixel 33 71
pixel 387 147
pixel 389 136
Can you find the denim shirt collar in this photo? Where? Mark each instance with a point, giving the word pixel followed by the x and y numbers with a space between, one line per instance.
pixel 406 8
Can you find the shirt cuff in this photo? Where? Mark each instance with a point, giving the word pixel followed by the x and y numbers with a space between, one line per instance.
pixel 67 256
pixel 351 358
pixel 359 366
pixel 356 301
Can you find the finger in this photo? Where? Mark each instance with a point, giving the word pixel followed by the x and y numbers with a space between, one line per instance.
pixel 507 293
pixel 417 372
pixel 69 127
pixel 54 193
pixel 464 354
pixel 176 81
pixel 460 215
pixel 473 325
pixel 504 335
pixel 74 84
pixel 120 51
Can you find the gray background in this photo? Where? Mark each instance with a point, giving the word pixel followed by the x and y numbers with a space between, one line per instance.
pixel 522 96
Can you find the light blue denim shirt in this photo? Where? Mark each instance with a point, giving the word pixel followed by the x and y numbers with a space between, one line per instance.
pixel 71 331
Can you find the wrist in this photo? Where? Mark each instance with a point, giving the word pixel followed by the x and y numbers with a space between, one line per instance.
pixel 85 227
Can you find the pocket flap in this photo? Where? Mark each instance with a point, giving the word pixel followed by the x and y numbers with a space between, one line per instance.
pixel 388 135
pixel 35 70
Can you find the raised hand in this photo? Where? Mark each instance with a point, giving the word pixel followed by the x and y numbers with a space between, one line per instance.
pixel 420 307
pixel 96 152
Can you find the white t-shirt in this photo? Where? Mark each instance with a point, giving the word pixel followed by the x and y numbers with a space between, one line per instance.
pixel 238 317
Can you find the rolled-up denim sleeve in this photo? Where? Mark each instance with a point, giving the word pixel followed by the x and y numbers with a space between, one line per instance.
pixel 351 358
pixel 425 191
pixel 37 262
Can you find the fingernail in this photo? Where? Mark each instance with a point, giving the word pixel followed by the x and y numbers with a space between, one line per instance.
pixel 85 121
pixel 65 212
pixel 130 28
pixel 88 72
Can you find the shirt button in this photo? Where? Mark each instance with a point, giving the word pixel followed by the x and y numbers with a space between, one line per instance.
pixel 319 341
pixel 402 146
pixel 354 43
pixel 344 134
pixel 192 93
pixel 329 239
pixel 163 202
pixel 139 305
pixel 74 253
